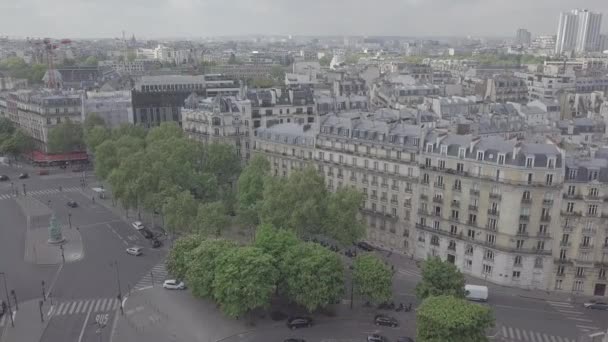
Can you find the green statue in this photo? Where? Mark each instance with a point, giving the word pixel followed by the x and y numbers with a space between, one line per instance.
pixel 55 235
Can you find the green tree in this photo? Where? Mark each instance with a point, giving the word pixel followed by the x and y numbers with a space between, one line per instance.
pixel 440 278
pixel 244 280
pixel 449 319
pixel 343 222
pixel 326 60
pixel 6 126
pixel 180 212
pixel 92 120
pixel 202 264
pixel 95 137
pixel 278 73
pixel 297 203
pixel 91 60
pixel 372 278
pixel 66 137
pixel 16 143
pixel 36 73
pixel 211 219
pixel 221 160
pixel 314 276
pixel 178 259
pixel 251 190
pixel 275 242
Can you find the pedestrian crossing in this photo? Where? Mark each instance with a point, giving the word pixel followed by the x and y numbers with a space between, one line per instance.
pixel 156 276
pixel 574 314
pixel 510 334
pixel 40 192
pixel 75 307
pixel 409 273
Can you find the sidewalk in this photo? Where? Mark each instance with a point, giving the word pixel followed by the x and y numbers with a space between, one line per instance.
pixel 28 327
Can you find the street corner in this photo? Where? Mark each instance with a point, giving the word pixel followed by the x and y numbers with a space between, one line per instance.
pixel 39 250
pixel 27 322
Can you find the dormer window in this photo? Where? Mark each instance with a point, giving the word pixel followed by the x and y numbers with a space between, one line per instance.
pixel 479 155
pixel 444 149
pixel 529 162
pixel 461 152
pixel 551 163
pixel 501 159
pixel 429 148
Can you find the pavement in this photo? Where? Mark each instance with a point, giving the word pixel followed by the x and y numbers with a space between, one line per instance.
pixel 29 325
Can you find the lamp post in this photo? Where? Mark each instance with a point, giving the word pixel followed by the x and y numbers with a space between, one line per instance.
pixel 43 291
pixel 115 265
pixel 62 255
pixel 15 299
pixel 24 193
pixel 70 220
pixel 8 301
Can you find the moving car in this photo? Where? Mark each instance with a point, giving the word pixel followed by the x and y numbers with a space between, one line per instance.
pixel 172 284
pixel 596 305
pixel 134 250
pixel 386 321
pixel 476 293
pixel 376 338
pixel 299 322
pixel 138 225
pixel 365 246
pixel 3 178
pixel 72 204
pixel 24 176
pixel 146 233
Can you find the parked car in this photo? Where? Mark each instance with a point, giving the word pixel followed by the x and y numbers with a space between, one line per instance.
pixel 386 321
pixel 72 204
pixel 134 251
pixel 78 169
pixel 24 176
pixel 138 225
pixel 299 322
pixel 173 284
pixel 294 340
pixel 146 233
pixel 596 305
pixel 156 243
pixel 43 172
pixel 365 246
pixel 376 338
pixel 3 178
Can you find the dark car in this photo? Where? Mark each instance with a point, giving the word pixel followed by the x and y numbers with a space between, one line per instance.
pixel 376 338
pixel 3 178
pixel 596 305
pixel 299 322
pixel 386 321
pixel 24 176
pixel 72 204
pixel 156 243
pixel 365 246
pixel 146 233
pixel 294 340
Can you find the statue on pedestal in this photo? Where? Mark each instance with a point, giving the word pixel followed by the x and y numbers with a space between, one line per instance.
pixel 55 236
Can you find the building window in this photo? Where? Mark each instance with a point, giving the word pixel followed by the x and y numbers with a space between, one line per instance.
pixel 540 245
pixel 529 162
pixel 563 254
pixel 516 274
pixel 570 207
pixel 526 195
pixel 549 179
pixel 435 240
pixel 488 255
pixel 519 244
pixel 471 234
pixel 468 250
pixel 479 155
pixel 468 264
pixel 517 261
pixel 592 209
pixel 453 229
pixel 487 269
pixel 558 284
pixel 578 285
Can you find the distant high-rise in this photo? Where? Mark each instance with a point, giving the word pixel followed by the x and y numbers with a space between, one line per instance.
pixel 578 30
pixel 588 35
pixel 523 37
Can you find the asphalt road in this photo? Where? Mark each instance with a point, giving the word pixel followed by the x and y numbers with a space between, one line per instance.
pixel 93 280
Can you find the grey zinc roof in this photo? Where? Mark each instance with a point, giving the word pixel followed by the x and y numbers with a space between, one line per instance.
pixel 496 144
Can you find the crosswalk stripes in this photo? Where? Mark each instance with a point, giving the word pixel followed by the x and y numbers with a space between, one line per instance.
pixel 84 305
pixel 156 275
pixel 510 334
pixel 41 192
pixel 409 273
pixel 571 313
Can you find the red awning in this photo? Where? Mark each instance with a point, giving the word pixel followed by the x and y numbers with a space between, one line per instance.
pixel 38 156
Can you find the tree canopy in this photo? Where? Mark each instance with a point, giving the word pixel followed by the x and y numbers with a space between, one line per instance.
pixel 66 137
pixel 440 278
pixel 202 266
pixel 372 278
pixel 178 259
pixel 448 319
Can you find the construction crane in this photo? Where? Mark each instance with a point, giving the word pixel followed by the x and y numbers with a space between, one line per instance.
pixel 50 45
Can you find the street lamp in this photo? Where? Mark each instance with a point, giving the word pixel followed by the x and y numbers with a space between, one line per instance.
pixel 43 291
pixel 62 255
pixel 24 193
pixel 15 299
pixel 70 219
pixel 8 301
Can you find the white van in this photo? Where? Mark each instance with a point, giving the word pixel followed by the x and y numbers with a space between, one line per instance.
pixel 476 292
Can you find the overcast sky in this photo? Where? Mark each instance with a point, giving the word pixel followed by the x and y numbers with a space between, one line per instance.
pixel 197 18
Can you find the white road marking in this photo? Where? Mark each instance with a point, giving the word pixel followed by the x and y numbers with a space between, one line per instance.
pixel 73 307
pixel 570 312
pixel 560 304
pixel 84 325
pixel 97 305
pixel 580 319
pixel 79 305
pixel 59 308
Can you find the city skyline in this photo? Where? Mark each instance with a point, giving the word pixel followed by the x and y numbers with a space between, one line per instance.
pixel 196 18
